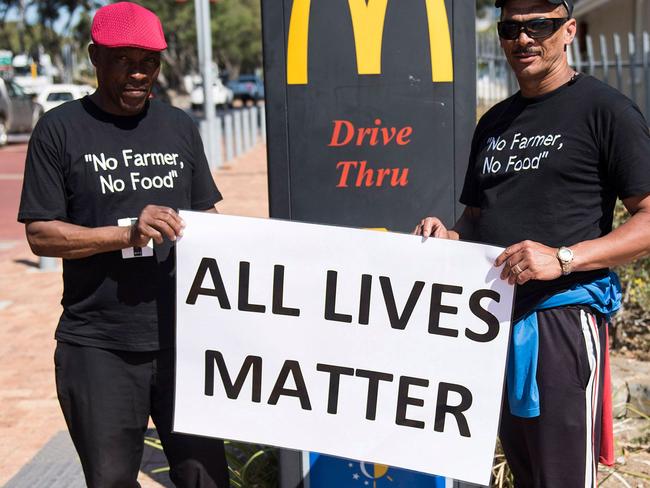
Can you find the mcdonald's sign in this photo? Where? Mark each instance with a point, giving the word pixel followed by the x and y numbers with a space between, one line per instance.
pixel 370 108
pixel 368 19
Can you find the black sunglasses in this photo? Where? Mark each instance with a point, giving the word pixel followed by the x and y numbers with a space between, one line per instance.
pixel 534 28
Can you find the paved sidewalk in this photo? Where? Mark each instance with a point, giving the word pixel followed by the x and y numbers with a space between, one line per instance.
pixel 29 309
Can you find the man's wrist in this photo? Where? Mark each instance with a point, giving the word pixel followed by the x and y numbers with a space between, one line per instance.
pixel 565 257
pixel 126 238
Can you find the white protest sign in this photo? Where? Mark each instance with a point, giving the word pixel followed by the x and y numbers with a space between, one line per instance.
pixel 362 344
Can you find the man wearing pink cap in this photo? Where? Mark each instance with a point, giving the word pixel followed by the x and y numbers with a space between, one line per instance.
pixel 104 179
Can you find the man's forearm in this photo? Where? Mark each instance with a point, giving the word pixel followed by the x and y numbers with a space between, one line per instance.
pixel 60 239
pixel 529 260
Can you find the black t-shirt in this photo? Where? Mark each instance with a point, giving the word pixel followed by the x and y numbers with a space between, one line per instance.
pixel 90 168
pixel 549 169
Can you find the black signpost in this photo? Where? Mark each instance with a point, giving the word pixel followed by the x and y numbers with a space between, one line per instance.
pixel 370 110
pixel 381 149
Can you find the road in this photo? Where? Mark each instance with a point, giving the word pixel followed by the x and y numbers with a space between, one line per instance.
pixel 12 163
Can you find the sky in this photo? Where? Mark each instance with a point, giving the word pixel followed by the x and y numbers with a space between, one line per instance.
pixel 31 17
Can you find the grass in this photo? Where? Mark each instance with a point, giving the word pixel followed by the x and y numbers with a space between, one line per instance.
pixel 501 475
pixel 250 465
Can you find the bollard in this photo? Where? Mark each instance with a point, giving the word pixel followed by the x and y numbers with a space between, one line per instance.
pixel 218 142
pixel 48 264
pixel 253 123
pixel 239 145
pixel 246 128
pixel 207 140
pixel 263 122
pixel 229 136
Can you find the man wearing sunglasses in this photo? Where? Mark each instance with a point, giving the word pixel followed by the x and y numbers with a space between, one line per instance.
pixel 545 169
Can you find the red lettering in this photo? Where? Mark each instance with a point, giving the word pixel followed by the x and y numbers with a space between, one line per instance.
pixel 367 174
pixel 381 174
pixel 404 132
pixel 362 134
pixel 343 181
pixel 397 179
pixel 336 133
pixel 386 136
pixel 360 175
pixel 375 133
pixel 344 133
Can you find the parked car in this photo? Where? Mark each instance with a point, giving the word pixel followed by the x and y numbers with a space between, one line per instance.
pixel 247 87
pixel 33 76
pixel 18 110
pixel 221 94
pixel 54 95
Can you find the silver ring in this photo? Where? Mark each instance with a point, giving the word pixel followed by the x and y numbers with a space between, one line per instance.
pixel 517 269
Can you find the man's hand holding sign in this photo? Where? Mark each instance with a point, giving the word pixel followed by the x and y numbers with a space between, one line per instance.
pixel 524 261
pixel 354 343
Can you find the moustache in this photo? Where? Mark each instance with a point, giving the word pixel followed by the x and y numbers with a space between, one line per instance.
pixel 525 51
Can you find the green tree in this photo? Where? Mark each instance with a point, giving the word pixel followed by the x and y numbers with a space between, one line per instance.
pixel 631 323
pixel 30 37
pixel 179 25
pixel 236 35
pixel 5 7
pixel 47 11
pixel 237 31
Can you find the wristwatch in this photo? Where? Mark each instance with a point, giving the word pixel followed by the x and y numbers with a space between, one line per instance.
pixel 565 256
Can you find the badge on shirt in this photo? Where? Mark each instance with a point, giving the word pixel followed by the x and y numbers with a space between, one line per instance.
pixel 135 252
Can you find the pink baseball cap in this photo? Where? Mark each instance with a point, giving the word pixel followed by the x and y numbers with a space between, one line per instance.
pixel 126 24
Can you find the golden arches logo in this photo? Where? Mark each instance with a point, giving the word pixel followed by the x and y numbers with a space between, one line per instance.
pixel 368 18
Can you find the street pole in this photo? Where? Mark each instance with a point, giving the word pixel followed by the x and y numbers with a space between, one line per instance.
pixel 68 63
pixel 204 38
pixel 21 26
pixel 198 14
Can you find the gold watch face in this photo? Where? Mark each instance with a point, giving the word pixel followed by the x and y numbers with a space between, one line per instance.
pixel 565 255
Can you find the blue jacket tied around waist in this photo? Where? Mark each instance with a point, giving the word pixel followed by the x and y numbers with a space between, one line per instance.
pixel 603 295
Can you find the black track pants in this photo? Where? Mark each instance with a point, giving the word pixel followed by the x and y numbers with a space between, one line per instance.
pixel 559 449
pixel 107 397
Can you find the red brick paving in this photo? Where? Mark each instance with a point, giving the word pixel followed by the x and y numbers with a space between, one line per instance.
pixel 29 309
pixel 12 162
